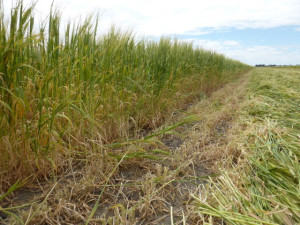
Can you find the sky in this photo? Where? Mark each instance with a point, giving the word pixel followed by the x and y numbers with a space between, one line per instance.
pixel 254 32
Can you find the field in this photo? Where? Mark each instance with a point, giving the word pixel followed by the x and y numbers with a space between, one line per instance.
pixel 262 185
pixel 114 129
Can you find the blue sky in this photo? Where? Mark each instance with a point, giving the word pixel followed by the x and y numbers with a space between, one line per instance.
pixel 254 32
pixel 276 45
pixel 276 36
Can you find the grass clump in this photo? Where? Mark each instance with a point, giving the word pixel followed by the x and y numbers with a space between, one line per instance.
pixel 64 94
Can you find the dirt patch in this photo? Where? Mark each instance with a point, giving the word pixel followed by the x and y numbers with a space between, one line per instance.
pixel 26 195
pixel 172 142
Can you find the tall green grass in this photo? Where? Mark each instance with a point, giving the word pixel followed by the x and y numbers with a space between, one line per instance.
pixel 62 92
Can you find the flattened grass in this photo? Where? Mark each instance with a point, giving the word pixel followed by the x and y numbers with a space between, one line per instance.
pixel 263 187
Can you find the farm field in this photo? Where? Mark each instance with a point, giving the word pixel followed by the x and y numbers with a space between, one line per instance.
pixel 114 129
pixel 235 160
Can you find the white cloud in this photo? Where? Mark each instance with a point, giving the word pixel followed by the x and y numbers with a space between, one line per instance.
pixel 258 54
pixel 192 17
pixel 197 32
pixel 157 17
pixel 264 54
pixel 231 43
pixel 218 46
